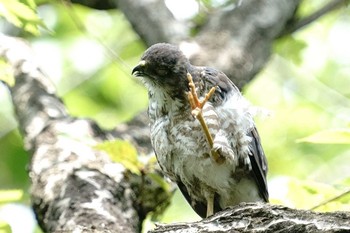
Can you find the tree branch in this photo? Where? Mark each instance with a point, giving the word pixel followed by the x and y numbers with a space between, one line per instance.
pixel 263 217
pixel 331 200
pixel 297 24
pixel 153 21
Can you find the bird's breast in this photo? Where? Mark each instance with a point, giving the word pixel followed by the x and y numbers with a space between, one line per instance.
pixel 176 141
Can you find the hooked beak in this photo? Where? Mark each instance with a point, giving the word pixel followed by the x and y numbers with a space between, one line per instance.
pixel 138 70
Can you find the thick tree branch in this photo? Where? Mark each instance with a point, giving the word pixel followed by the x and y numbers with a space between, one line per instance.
pixel 153 21
pixel 263 217
pixel 74 187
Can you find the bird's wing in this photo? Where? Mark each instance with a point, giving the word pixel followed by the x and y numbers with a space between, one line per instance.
pixel 259 164
pixel 225 87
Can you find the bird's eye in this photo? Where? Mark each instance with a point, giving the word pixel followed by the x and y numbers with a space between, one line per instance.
pixel 162 71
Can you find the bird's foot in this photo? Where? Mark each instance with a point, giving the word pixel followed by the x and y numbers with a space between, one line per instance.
pixel 197 107
pixel 195 103
pixel 223 147
pixel 225 153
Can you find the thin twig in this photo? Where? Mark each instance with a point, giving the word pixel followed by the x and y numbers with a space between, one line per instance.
pixel 332 199
pixel 300 23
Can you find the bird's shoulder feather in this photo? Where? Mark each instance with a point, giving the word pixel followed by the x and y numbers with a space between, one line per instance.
pixel 206 77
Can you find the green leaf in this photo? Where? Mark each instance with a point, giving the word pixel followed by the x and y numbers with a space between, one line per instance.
pixel 21 15
pixel 10 196
pixel 122 152
pixel 333 136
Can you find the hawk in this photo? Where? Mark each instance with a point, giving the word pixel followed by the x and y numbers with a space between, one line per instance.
pixel 178 139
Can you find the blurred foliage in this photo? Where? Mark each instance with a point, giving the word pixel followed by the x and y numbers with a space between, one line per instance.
pixel 4 227
pixel 10 195
pixel 334 136
pixel 89 55
pixel 22 15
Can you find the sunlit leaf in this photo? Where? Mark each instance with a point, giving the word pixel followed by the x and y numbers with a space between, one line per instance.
pixel 10 195
pixel 122 152
pixel 334 136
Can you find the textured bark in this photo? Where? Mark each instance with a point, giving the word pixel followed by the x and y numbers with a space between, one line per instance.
pixel 261 217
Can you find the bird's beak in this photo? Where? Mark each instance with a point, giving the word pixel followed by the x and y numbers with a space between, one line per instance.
pixel 137 71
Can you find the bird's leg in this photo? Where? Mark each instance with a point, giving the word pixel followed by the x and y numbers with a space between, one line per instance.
pixel 210 204
pixel 197 106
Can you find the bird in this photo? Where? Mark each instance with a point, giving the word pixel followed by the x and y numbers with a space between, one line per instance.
pixel 202 131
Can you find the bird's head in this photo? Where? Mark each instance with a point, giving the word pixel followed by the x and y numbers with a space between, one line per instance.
pixel 164 66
